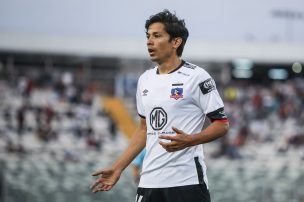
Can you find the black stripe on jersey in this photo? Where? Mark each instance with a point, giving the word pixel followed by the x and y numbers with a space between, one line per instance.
pixel 141 116
pixel 190 66
pixel 199 171
pixel 177 84
pixel 218 114
pixel 179 66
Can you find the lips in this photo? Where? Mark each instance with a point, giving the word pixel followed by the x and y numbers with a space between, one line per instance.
pixel 151 51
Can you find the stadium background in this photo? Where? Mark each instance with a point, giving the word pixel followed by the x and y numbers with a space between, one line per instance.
pixel 68 73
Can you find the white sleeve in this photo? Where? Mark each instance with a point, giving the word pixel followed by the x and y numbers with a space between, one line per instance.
pixel 208 98
pixel 139 104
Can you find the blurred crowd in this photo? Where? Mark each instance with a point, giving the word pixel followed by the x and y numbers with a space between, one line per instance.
pixel 60 111
pixel 37 113
pixel 264 113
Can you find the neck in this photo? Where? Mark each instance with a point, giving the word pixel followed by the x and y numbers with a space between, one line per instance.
pixel 169 66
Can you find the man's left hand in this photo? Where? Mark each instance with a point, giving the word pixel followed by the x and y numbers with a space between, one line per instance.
pixel 178 142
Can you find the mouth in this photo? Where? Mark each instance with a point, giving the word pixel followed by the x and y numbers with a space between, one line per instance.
pixel 151 51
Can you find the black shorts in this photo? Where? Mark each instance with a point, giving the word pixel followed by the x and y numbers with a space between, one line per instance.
pixel 189 193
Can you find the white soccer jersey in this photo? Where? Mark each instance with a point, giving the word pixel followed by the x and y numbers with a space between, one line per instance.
pixel 183 99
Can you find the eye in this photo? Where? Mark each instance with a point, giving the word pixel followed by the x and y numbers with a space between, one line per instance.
pixel 157 35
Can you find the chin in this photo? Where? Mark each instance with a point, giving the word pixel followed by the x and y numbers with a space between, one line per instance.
pixel 154 59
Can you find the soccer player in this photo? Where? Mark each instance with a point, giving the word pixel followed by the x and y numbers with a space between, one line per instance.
pixel 173 100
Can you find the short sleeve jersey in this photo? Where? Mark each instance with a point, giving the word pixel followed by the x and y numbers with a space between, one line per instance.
pixel 182 99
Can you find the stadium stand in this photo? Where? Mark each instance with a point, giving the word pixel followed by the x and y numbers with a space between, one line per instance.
pixel 54 134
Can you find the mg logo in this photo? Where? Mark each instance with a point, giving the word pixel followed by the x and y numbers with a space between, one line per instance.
pixel 158 118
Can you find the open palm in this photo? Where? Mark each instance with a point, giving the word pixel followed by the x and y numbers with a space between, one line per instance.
pixel 107 179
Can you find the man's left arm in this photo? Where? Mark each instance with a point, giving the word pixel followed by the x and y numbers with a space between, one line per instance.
pixel 182 140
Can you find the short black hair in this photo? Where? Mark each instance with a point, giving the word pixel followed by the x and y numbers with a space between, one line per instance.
pixel 174 27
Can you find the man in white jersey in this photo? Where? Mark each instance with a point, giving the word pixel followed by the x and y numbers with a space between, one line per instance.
pixel 173 100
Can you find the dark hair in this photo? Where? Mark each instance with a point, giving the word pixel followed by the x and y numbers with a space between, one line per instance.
pixel 174 27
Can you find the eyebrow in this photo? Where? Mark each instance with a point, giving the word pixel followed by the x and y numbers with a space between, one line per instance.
pixel 153 33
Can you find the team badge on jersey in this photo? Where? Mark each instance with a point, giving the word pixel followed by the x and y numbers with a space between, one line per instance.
pixel 177 93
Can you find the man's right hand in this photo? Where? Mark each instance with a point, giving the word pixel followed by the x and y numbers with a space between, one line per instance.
pixel 107 179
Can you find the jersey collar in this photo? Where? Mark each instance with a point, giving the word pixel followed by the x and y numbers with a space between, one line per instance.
pixel 182 63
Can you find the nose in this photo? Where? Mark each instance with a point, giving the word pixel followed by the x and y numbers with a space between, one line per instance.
pixel 149 41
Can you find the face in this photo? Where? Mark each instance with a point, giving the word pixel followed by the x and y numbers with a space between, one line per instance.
pixel 160 47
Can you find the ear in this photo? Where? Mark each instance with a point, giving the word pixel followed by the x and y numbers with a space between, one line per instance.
pixel 177 42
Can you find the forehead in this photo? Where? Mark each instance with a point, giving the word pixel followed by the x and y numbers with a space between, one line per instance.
pixel 156 27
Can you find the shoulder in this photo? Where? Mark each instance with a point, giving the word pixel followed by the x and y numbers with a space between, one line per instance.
pixel 147 73
pixel 195 71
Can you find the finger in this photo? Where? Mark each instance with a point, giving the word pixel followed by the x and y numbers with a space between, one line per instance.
pixel 99 187
pixel 107 188
pixel 104 187
pixel 171 138
pixel 102 172
pixel 99 172
pixel 96 189
pixel 178 131
pixel 97 182
pixel 170 150
pixel 164 144
pixel 165 137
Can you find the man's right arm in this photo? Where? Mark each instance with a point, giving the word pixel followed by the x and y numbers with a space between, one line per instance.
pixel 109 177
pixel 137 143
